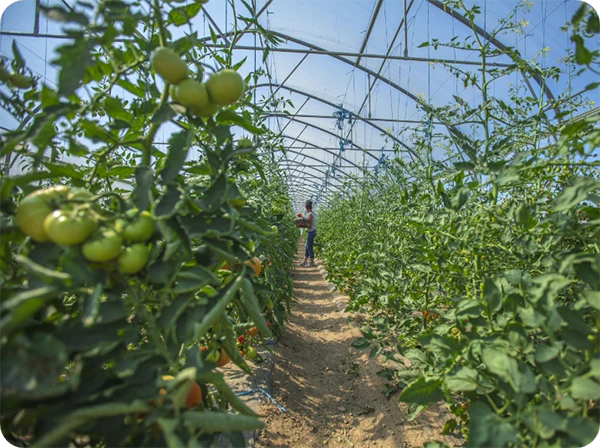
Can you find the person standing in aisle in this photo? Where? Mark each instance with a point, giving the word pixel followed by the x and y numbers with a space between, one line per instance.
pixel 311 232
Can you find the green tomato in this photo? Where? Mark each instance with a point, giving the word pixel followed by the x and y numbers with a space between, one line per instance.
pixel 244 143
pixel 35 208
pixel 213 356
pixel 133 259
pixel 250 353
pixel 104 247
pixel 238 202
pixel 80 194
pixel 191 93
pixel 168 65
pixel 225 87
pixel 68 228
pixel 31 213
pixel 56 192
pixel 207 111
pixel 139 230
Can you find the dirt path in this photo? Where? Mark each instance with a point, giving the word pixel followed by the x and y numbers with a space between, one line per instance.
pixel 330 390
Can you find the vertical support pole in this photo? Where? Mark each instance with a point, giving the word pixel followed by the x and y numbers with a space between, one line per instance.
pixel 369 94
pixel 36 23
pixel 255 18
pixel 405 31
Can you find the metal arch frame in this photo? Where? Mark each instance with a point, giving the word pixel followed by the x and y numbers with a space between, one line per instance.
pixel 313 146
pixel 487 36
pixel 298 173
pixel 437 4
pixel 298 191
pixel 299 199
pixel 329 103
pixel 390 120
pixel 294 162
pixel 340 58
pixel 313 158
pixel 377 76
pixel 349 62
pixel 310 157
pixel 301 189
pixel 370 26
pixel 292 118
pixel 304 188
pixel 300 164
pixel 312 176
pixel 403 23
pixel 317 178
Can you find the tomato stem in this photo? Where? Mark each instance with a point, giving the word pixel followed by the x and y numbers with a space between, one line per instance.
pixel 147 145
pixel 162 37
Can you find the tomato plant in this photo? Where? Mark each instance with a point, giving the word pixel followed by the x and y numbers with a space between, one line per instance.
pixel 499 244
pixel 92 320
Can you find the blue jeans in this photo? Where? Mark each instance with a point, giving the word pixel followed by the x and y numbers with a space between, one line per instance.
pixel 308 248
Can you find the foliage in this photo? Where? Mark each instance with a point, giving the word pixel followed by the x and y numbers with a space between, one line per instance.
pixel 480 273
pixel 84 344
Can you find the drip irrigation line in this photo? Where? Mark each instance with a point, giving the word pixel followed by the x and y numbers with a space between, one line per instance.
pixel 265 393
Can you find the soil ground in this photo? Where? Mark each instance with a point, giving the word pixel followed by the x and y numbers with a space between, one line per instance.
pixel 329 389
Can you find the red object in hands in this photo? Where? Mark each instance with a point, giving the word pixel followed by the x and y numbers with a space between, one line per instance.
pixel 299 215
pixel 241 339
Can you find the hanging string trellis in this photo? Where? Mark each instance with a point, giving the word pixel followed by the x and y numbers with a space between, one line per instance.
pixel 341 116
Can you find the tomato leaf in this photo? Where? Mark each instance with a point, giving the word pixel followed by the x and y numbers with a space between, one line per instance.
pixel 487 429
pixel 463 379
pixel 492 295
pixel 422 391
pixel 169 202
pixel 585 389
pixel 74 59
pixel 178 151
pixel 144 177
pixel 181 16
pixel 361 343
pixel 230 117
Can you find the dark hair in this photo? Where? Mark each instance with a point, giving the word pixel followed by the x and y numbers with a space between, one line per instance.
pixel 308 204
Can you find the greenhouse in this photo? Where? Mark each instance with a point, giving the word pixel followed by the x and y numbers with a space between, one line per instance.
pixel 299 223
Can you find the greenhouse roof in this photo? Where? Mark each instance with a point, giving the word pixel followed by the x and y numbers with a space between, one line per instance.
pixel 356 73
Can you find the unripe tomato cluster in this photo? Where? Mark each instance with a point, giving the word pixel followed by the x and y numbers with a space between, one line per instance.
pixel 216 355
pixel 245 343
pixel 65 217
pixel 201 99
pixel 244 348
pixel 194 395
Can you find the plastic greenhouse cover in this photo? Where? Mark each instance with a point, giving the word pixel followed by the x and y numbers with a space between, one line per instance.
pixel 379 93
